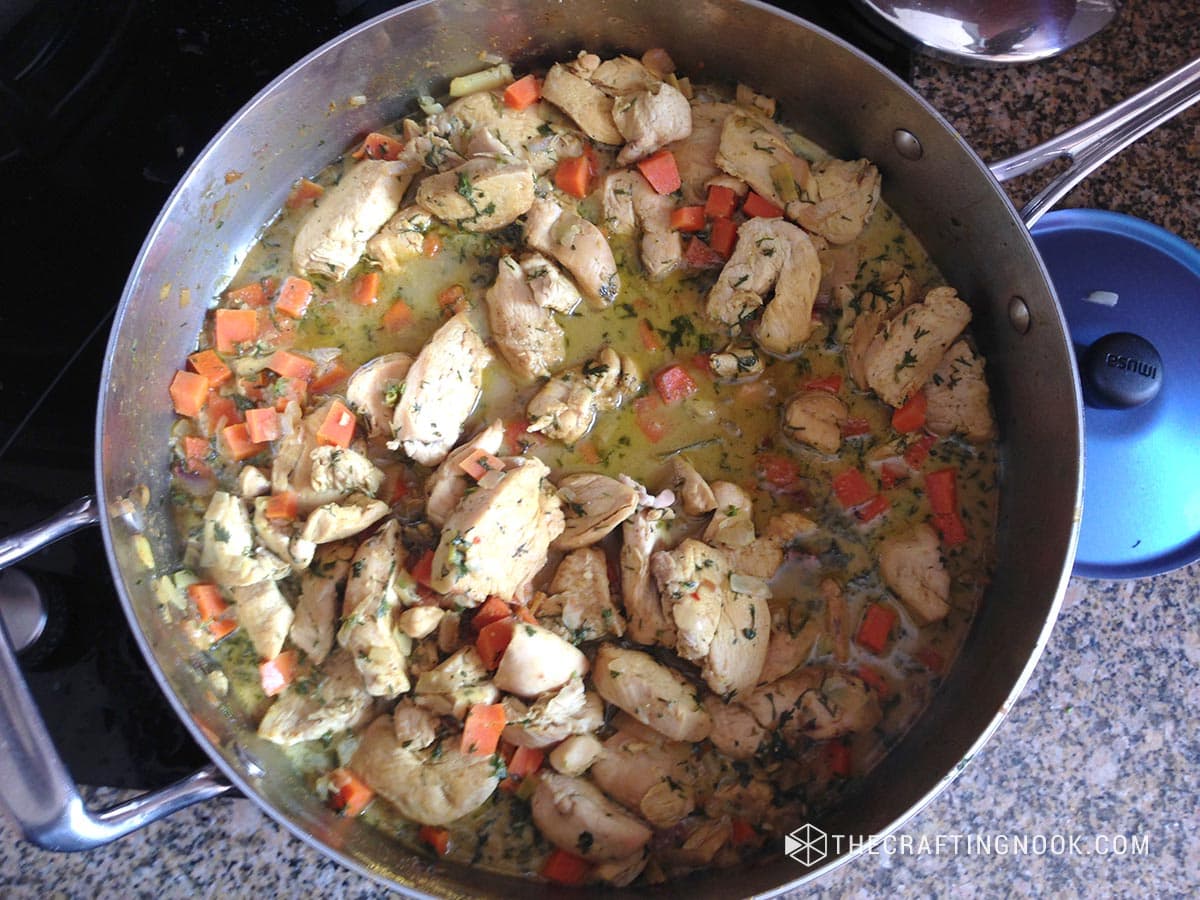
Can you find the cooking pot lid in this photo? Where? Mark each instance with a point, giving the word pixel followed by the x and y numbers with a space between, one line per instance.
pixel 1131 295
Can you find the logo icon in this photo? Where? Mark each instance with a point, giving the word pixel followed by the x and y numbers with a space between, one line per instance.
pixel 807 845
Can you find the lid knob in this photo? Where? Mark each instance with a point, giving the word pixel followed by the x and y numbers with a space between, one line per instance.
pixel 1121 370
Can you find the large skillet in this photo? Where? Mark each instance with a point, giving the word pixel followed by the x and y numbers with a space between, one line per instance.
pixel 826 89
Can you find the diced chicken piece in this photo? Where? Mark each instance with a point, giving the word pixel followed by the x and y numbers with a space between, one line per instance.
pixel 454 686
pixel 227 552
pixel 420 621
pixel 575 755
pixel 747 96
pixel 578 245
pixel 343 470
pixel 735 731
pixel 693 581
pixel 538 134
pixel 753 149
pixel 770 253
pixel 414 726
pixel 253 483
pixel 280 538
pixel 616 201
pixel 580 594
pixel 529 338
pixel 329 700
pixel 440 390
pixel 749 800
pixel 649 118
pixel 316 610
pixel 537 661
pixel 374 389
pixel 650 692
pixel 368 614
pixel 338 521
pixel 691 488
pixel 739 647
pixel 957 397
pixel 837 618
pixel 911 566
pixel 838 199
pixel 334 234
pixel 429 151
pixel 789 527
pixel 583 101
pixel 573 814
pixel 483 194
pixel 554 716
pixel 696 156
pixel 761 558
pixel 732 522
pixel 551 289
pixel 400 240
pixel 793 635
pixel 739 360
pixel 291 470
pixel 652 777
pixel 593 505
pixel 566 407
pixel 498 537
pixel 265 614
pixel 909 347
pixel 862 317
pixel 629 203
pixel 815 418
pixel 623 75
pixel 648 621
pixel 815 703
pixel 433 786
pixel 447 485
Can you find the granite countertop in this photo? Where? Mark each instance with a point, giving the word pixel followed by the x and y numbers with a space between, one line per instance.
pixel 1105 739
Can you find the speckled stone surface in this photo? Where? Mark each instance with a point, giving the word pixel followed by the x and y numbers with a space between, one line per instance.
pixel 1105 740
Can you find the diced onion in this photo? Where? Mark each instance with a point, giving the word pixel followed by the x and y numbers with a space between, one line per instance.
pixel 750 586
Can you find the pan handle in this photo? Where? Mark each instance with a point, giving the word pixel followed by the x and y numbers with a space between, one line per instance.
pixel 35 786
pixel 1092 143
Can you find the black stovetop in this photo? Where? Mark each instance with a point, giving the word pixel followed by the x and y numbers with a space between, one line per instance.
pixel 104 106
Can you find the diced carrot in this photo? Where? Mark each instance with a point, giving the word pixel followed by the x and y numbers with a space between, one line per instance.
pixel 722 236
pixel 493 640
pixel 855 427
pixel 891 473
pixel 649 337
pixel 282 507
pixel 875 681
pixel 304 193
pixel 366 289
pixel 876 627
pixel 196 451
pixel 350 795
pixel 876 506
pixel 917 452
pixel 189 393
pixel 649 413
pixel 378 146
pixel 436 837
pixel 701 256
pixel 398 317
pixel 566 868
pixel 687 218
pixel 931 659
pixel 291 365
pixel 588 453
pixel 262 424
pixel 234 326
pixel 219 628
pixel 910 416
pixel 431 246
pixel 221 411
pixel 238 444
pixel 338 427
pixel 830 383
pixel 721 202
pixel 777 470
pixel 253 295
pixel 661 171
pixel 276 674
pixel 742 832
pixel 330 378
pixel 942 489
pixel 524 614
pixel 851 488
pixel 207 597
pixel 674 383
pixel 523 92
pixel 493 609
pixel 573 176
pixel 481 729
pixel 757 205
pixel 211 366
pixel 422 572
pixel 517 437
pixel 479 462
pixel 525 762
pixel 294 296
pixel 837 755
pixel 453 298
pixel 289 390
pixel 950 526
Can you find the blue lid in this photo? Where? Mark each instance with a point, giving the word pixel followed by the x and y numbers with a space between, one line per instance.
pixel 1131 295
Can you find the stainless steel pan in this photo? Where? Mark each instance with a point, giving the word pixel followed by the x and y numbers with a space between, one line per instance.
pixel 826 89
